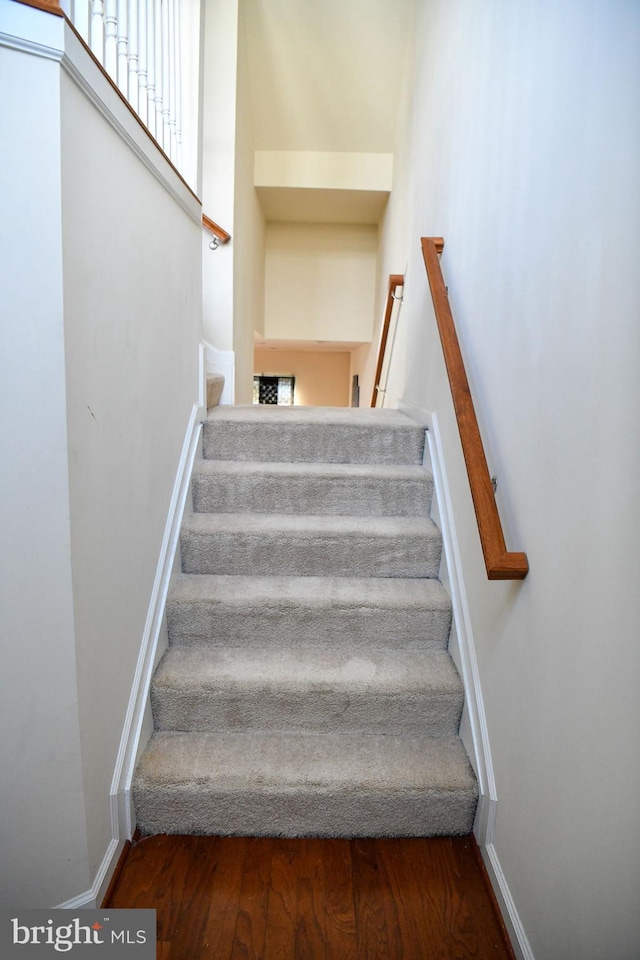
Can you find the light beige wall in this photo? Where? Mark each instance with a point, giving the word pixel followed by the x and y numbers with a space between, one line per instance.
pixel 322 377
pixel 320 281
pixel 326 75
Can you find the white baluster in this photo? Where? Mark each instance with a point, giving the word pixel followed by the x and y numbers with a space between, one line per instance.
pixel 166 77
pixel 110 40
pixel 142 60
pixel 133 54
pixel 97 29
pixel 178 42
pixel 122 45
pixel 159 93
pixel 172 79
pixel 151 66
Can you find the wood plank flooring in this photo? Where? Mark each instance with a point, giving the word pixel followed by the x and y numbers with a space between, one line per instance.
pixel 245 898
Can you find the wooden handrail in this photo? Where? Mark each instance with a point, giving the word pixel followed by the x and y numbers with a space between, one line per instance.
pixel 49 6
pixel 500 563
pixel 213 228
pixel 395 280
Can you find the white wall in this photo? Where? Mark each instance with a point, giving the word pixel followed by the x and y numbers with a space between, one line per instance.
pixel 43 845
pixel 320 281
pixel 218 166
pixel 132 325
pixel 249 228
pixel 525 145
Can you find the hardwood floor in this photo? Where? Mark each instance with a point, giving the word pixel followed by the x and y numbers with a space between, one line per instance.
pixel 236 898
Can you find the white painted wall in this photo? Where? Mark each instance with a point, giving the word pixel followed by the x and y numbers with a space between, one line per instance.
pixel 101 294
pixel 218 166
pixel 43 843
pixel 132 327
pixel 320 281
pixel 249 230
pixel 525 146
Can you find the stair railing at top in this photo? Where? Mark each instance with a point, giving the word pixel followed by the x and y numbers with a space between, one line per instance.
pixel 501 564
pixel 220 235
pixel 396 280
pixel 140 46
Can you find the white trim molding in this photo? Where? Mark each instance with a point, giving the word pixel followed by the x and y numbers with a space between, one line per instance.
pixel 93 898
pixel 517 935
pixel 473 730
pixel 122 813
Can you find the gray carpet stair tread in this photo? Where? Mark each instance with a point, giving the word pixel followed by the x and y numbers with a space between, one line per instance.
pixel 379 419
pixel 356 612
pixel 322 592
pixel 388 671
pixel 282 544
pixel 304 785
pixel 383 691
pixel 229 486
pixel 328 434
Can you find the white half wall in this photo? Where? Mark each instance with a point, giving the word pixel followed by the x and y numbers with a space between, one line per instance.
pixel 132 330
pixel 524 147
pixel 43 841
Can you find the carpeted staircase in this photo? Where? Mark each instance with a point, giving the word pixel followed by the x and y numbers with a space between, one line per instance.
pixel 307 689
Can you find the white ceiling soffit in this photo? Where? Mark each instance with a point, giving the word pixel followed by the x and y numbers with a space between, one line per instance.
pixel 325 346
pixel 307 205
pixel 326 75
pixel 323 187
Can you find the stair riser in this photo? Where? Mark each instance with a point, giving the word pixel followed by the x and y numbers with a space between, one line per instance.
pixel 432 713
pixel 323 813
pixel 307 443
pixel 310 495
pixel 239 554
pixel 355 629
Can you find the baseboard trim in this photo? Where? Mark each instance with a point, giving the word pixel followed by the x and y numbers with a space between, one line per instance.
pixel 491 893
pixel 506 905
pixel 105 900
pixel 92 898
pixel 477 746
pixel 479 749
pixel 122 813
